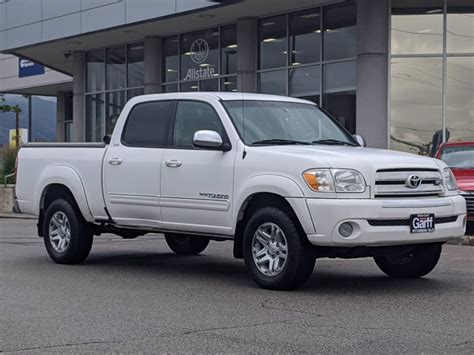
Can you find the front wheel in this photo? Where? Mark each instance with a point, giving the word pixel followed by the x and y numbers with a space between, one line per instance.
pixel 419 262
pixel 277 255
pixel 186 245
pixel 67 237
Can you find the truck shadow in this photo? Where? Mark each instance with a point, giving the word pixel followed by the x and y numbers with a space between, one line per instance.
pixel 337 278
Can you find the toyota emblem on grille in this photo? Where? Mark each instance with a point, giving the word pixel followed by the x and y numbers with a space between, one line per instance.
pixel 413 181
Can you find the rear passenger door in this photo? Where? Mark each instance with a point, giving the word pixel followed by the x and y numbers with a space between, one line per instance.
pixel 196 183
pixel 133 162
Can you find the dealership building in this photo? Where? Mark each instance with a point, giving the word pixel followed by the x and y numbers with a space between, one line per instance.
pixel 400 72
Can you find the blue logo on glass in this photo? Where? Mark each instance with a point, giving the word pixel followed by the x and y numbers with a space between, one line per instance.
pixel 28 68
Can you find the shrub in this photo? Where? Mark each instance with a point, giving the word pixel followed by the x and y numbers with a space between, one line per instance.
pixel 8 164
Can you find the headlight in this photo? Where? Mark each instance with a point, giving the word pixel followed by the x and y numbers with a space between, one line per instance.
pixel 334 180
pixel 319 180
pixel 348 180
pixel 449 179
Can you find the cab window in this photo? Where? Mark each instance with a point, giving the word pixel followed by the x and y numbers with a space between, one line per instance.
pixel 193 116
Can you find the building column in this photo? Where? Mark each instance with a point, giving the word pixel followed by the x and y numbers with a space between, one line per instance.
pixel 60 116
pixel 78 103
pixel 372 120
pixel 246 55
pixel 153 65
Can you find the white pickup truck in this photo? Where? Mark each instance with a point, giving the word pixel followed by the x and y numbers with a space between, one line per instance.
pixel 275 175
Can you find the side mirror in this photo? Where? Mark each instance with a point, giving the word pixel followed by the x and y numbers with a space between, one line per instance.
pixel 359 139
pixel 106 139
pixel 210 140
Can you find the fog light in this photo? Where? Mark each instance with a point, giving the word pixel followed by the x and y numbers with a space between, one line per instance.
pixel 345 229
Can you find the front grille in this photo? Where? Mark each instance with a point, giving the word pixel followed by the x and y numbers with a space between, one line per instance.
pixel 393 183
pixel 406 222
pixel 469 202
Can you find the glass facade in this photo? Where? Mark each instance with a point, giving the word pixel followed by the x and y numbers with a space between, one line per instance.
pixel 432 75
pixel 201 61
pixel 311 54
pixel 113 76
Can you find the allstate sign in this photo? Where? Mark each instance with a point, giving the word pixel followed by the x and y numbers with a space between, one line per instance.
pixel 199 52
pixel 28 68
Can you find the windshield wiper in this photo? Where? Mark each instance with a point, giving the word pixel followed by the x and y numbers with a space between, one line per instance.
pixel 279 142
pixel 333 142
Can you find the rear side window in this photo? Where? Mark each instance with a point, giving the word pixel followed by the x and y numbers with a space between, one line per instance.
pixel 193 116
pixel 148 124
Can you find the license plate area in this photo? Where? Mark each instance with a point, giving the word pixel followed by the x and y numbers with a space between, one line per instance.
pixel 422 223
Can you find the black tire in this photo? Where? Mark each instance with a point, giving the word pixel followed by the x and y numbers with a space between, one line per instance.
pixel 183 244
pixel 81 236
pixel 418 263
pixel 299 263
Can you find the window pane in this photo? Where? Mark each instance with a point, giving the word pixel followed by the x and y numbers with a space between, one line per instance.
pixel 200 55
pixel 209 85
pixel 170 88
pixel 95 71
pixel 68 132
pixel 272 42
pixel 95 123
pixel 339 96
pixel 148 124
pixel 305 82
pixel 460 32
pixel 305 37
pixel 134 92
pixel 417 30
pixel 192 117
pixel 339 32
pixel 229 50
pixel 229 83
pixel 136 76
pixel 272 82
pixel 116 68
pixel 115 103
pixel 189 86
pixel 171 59
pixel 460 99
pixel 416 114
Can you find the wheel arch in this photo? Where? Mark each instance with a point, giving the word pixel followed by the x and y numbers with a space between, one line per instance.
pixel 258 200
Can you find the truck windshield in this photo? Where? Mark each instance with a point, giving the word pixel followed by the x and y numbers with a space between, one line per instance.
pixel 461 157
pixel 279 123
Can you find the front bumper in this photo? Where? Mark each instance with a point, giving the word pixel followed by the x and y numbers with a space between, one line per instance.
pixel 328 214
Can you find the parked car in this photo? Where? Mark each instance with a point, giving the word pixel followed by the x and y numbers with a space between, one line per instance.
pixel 459 156
pixel 275 175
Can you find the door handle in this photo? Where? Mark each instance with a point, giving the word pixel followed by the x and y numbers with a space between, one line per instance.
pixel 115 161
pixel 173 163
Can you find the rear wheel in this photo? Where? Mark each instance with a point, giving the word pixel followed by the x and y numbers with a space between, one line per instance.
pixel 277 255
pixel 67 237
pixel 185 244
pixel 419 262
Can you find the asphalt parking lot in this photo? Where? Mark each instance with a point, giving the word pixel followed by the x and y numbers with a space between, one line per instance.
pixel 136 296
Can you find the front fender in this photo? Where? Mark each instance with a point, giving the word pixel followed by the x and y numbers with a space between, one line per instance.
pixel 63 175
pixel 279 185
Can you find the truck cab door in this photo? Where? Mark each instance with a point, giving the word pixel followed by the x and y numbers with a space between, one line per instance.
pixel 196 183
pixel 132 165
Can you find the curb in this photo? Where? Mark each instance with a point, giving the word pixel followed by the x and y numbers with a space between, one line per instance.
pixel 466 240
pixel 7 215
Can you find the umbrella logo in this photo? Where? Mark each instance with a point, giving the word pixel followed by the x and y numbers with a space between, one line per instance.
pixel 199 51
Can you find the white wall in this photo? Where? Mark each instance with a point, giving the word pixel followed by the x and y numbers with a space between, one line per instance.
pixel 26 22
pixel 9 80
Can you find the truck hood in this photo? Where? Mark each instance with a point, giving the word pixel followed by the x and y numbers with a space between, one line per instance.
pixel 465 179
pixel 354 157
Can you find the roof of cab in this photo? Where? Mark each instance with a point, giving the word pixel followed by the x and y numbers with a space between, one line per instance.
pixel 224 96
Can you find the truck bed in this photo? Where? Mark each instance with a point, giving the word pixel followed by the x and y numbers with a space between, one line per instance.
pixel 37 162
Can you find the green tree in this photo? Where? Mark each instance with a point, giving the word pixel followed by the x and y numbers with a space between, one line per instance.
pixel 17 110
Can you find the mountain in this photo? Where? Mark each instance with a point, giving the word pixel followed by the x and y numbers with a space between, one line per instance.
pixel 44 118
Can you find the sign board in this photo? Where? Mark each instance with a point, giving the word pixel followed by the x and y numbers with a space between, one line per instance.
pixel 23 137
pixel 28 68
pixel 199 52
